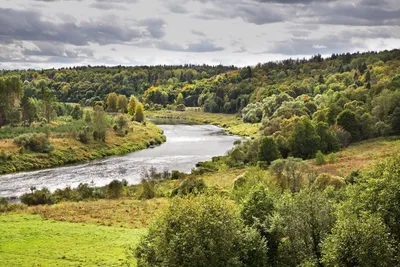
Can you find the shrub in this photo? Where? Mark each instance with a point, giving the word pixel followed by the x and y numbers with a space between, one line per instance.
pixel 146 190
pixel 320 158
pixel 180 107
pixel 115 189
pixel 324 180
pixel 34 142
pixel 201 231
pixel 332 158
pixel 37 197
pixel 190 186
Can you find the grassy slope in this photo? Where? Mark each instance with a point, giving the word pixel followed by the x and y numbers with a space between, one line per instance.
pixel 28 240
pixel 67 150
pixel 231 123
pixel 361 156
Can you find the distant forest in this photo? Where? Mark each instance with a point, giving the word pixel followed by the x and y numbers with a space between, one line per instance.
pixel 341 99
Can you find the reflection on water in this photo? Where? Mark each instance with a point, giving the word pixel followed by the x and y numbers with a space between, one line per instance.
pixel 186 145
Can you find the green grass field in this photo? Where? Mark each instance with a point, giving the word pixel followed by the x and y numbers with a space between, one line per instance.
pixel 29 240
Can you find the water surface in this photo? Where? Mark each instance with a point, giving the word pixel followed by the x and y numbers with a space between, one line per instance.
pixel 186 145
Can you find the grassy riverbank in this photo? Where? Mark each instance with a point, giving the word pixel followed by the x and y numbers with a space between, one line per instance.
pixel 68 150
pixel 230 122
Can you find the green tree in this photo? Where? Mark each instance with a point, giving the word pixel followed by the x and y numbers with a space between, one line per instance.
pixel 122 103
pixel 268 150
pixel 304 140
pixel 111 101
pixel 139 114
pixel 395 121
pixel 179 99
pixel 29 110
pixel 132 105
pixel 348 120
pixel 201 231
pixel 77 112
pixel 301 222
pixel 290 173
pixel 99 123
pixel 359 241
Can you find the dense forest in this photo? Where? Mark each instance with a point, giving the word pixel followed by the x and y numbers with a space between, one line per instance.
pixel 306 105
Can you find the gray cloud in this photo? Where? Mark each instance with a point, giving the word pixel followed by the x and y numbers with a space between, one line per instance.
pixel 199 47
pixel 301 46
pixel 198 33
pixel 177 8
pixel 28 25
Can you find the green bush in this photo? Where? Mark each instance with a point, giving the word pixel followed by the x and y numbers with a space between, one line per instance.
pixel 320 158
pixel 115 189
pixel 38 197
pixel 34 142
pixel 201 231
pixel 146 190
pixel 190 186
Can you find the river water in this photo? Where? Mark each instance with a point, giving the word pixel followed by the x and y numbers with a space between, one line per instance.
pixel 185 146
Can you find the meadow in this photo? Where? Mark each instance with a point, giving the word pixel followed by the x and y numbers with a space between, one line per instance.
pixel 29 240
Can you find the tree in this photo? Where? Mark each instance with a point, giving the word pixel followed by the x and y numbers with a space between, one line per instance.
pixel 115 189
pixel 201 231
pixel 304 139
pixel 77 112
pixel 99 123
pixel 132 105
pixel 48 101
pixel 300 223
pixel 10 93
pixel 395 120
pixel 268 150
pixel 329 142
pixel 139 114
pixel 359 241
pixel 290 172
pixel 348 120
pixel 122 103
pixel 111 101
pixel 179 99
pixel 29 111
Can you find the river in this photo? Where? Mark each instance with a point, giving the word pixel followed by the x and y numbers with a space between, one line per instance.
pixel 186 145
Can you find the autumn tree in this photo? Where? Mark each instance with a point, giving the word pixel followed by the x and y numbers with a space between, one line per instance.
pixel 132 105
pixel 122 103
pixel 111 101
pixel 139 114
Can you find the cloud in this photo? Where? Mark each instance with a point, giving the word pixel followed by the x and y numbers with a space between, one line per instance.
pixel 199 47
pixel 198 33
pixel 176 8
pixel 30 26
pixel 325 45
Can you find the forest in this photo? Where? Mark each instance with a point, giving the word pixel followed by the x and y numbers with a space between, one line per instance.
pixel 315 183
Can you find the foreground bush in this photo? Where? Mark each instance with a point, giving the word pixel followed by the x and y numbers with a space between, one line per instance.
pixel 201 231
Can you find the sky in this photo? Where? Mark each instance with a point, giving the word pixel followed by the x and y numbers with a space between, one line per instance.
pixel 62 33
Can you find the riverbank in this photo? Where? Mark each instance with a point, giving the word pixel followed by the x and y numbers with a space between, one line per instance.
pixel 68 150
pixel 231 123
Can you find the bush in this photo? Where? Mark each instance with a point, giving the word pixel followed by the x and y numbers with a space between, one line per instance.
pixel 201 231
pixel 180 107
pixel 34 142
pixel 332 158
pixel 320 158
pixel 324 180
pixel 146 190
pixel 38 197
pixel 115 189
pixel 190 186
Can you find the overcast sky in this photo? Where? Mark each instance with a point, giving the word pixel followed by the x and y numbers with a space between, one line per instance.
pixel 57 33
